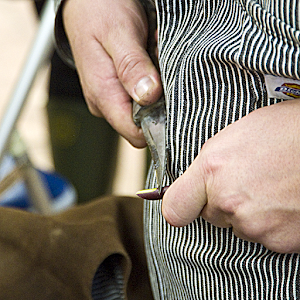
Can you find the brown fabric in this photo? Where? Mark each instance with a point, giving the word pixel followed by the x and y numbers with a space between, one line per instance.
pixel 56 257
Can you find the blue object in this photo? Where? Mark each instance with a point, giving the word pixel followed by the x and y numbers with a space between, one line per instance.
pixel 61 193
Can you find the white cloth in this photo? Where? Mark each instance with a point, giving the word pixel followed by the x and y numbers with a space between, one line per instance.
pixel 213 58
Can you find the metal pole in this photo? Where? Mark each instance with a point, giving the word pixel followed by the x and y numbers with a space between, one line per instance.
pixel 41 51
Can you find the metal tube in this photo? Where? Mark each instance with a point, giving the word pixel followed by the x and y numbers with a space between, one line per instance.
pixel 41 51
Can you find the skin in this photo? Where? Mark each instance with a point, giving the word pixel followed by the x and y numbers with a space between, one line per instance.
pixel 246 177
pixel 108 41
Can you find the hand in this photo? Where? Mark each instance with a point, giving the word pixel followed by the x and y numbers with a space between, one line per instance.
pixel 246 177
pixel 108 41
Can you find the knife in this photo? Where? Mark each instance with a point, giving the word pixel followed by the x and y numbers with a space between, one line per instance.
pixel 152 120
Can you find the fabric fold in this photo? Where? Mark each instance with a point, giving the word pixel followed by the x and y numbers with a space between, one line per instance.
pixel 57 257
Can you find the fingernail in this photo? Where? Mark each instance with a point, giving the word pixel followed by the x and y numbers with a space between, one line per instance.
pixel 143 87
pixel 152 194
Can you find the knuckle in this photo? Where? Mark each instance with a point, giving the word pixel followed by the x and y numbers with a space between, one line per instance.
pixel 231 206
pixel 172 217
pixel 212 161
pixel 94 111
pixel 280 248
pixel 269 233
pixel 253 231
pixel 128 65
pixel 282 240
pixel 248 233
pixel 91 98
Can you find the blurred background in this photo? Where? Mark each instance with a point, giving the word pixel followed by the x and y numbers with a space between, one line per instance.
pixel 122 173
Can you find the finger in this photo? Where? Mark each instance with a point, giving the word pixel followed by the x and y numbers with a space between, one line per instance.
pixel 127 48
pixel 185 198
pixel 111 60
pixel 104 93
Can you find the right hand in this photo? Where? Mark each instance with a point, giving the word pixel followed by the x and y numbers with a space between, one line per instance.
pixel 108 41
pixel 246 177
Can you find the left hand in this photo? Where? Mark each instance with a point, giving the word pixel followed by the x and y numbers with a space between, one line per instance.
pixel 246 177
pixel 109 42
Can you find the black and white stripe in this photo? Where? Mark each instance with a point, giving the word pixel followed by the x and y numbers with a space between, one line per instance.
pixel 213 57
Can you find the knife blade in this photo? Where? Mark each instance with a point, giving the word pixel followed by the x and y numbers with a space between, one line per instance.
pixel 152 120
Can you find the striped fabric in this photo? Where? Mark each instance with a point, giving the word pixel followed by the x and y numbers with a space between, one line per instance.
pixel 213 57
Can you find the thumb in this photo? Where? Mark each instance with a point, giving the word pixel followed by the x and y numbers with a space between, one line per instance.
pixel 139 77
pixel 135 69
pixel 185 198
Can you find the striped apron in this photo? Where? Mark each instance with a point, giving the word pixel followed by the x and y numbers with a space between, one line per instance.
pixel 214 56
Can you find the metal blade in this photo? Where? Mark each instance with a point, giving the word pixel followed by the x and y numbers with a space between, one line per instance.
pixel 152 120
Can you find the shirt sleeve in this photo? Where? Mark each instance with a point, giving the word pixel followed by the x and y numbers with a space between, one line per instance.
pixel 62 45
